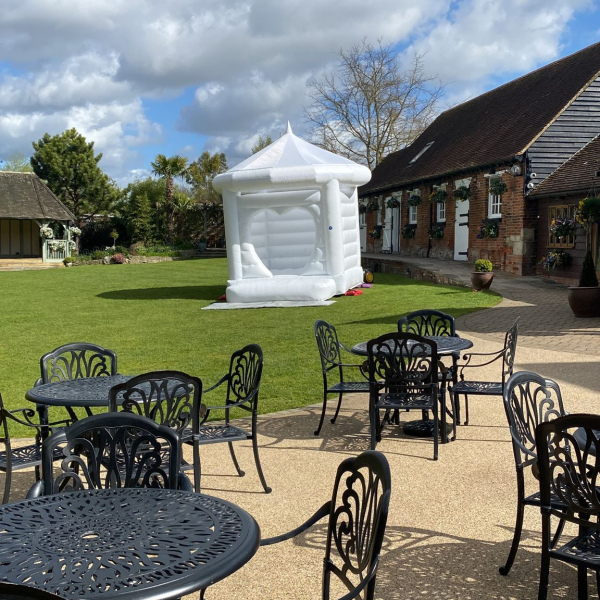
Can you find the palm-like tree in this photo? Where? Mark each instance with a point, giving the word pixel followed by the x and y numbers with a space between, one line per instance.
pixel 168 168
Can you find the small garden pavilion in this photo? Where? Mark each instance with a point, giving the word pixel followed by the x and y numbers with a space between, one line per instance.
pixel 291 223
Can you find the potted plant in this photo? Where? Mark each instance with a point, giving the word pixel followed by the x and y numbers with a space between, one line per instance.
pixel 482 277
pixel 439 195
pixel 373 206
pixel 461 193
pixel 376 233
pixel 392 203
pixel 436 232
pixel 497 187
pixel 409 232
pixel 584 299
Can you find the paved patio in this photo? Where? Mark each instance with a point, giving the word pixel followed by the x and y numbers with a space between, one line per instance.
pixel 451 521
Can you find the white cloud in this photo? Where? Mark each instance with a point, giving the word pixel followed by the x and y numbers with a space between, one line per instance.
pixel 92 65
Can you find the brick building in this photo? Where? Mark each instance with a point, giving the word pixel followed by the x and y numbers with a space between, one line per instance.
pixel 493 151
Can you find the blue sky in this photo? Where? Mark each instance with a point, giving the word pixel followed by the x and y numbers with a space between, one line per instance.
pixel 142 77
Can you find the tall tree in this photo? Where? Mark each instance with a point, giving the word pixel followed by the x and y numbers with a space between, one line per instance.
pixel 262 143
pixel 368 107
pixel 16 162
pixel 200 176
pixel 142 209
pixel 168 169
pixel 68 165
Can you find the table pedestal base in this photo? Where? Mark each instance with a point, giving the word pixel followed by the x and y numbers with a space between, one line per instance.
pixel 422 428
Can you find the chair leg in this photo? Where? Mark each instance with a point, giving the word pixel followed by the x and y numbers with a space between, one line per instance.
pixel 318 429
pixel 337 410
pixel 436 437
pixel 373 422
pixel 7 483
pixel 516 538
pixel 197 466
pixel 466 409
pixel 582 582
pixel 258 465
pixel 235 462
pixel 558 533
pixel 544 574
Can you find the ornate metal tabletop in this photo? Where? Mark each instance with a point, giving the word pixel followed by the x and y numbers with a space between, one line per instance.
pixel 124 543
pixel 86 392
pixel 445 345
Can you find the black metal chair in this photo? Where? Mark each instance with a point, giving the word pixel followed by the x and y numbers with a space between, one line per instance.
pixel 76 361
pixel 112 450
pixel 468 388
pixel 403 375
pixel 528 401
pixel 331 363
pixel 357 513
pixel 13 591
pixel 242 387
pixel 568 449
pixel 170 398
pixel 22 456
pixel 429 322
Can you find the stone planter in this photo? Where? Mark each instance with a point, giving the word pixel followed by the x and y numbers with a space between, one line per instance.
pixel 481 280
pixel 584 301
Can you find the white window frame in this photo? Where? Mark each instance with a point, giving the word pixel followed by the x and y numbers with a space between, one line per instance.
pixel 440 212
pixel 362 219
pixel 379 202
pixel 412 215
pixel 494 200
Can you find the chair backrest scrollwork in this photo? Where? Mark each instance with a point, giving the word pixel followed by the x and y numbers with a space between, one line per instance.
pixel 357 521
pixel 112 450
pixel 428 323
pixel 245 372
pixel 76 361
pixel 529 400
pixel 510 350
pixel 170 398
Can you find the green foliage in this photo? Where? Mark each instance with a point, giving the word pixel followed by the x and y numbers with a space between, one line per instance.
pixel 17 162
pixel 483 265
pixel 150 315
pixel 67 163
pixel 69 259
pixel 168 169
pixel 262 143
pixel 588 212
pixel 461 193
pixel 95 234
pixel 588 277
pixel 409 231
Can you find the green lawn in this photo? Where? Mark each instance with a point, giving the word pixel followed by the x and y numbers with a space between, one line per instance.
pixel 150 315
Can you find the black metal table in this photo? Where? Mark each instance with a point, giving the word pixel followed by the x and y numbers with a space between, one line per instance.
pixel 446 346
pixel 134 544
pixel 88 393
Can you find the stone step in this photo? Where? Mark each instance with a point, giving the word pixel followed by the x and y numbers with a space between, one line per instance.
pixel 27 264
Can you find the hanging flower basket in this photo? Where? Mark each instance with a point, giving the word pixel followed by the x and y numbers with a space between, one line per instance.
pixel 490 228
pixel 436 232
pixel 376 233
pixel 497 187
pixel 373 206
pixel 439 195
pixel 562 228
pixel 46 232
pixel 588 212
pixel 555 259
pixel 392 203
pixel 75 230
pixel 362 209
pixel 461 193
pixel 409 231
pixel 414 200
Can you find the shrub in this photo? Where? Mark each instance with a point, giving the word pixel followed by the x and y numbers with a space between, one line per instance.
pixel 69 259
pixel 588 277
pixel 98 254
pixel 118 259
pixel 482 265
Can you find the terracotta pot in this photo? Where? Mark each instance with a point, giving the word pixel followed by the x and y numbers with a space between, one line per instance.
pixel 584 301
pixel 481 280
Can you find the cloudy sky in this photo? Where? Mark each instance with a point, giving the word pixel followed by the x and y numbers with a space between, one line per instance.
pixel 142 77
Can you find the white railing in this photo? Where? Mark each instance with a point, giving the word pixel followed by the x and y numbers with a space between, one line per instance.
pixel 55 250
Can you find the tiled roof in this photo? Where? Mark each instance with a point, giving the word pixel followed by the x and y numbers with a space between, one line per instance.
pixel 492 128
pixel 578 174
pixel 25 196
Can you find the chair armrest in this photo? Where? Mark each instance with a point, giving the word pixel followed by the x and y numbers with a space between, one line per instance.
pixel 487 360
pixel 28 413
pixel 322 512
pixel 221 381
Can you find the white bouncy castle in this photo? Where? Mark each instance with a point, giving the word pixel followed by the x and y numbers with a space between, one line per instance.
pixel 291 223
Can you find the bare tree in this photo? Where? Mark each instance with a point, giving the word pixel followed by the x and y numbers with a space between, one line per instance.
pixel 368 107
